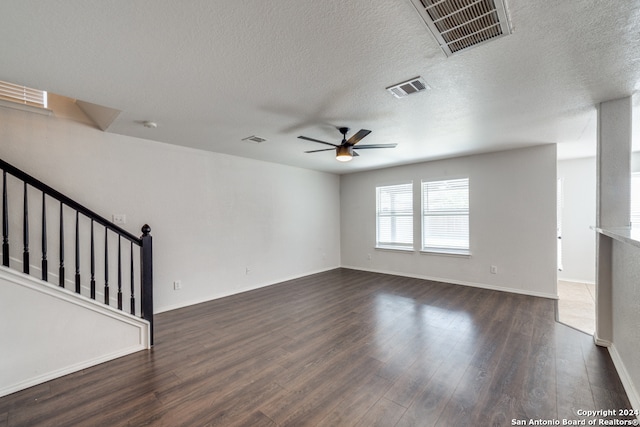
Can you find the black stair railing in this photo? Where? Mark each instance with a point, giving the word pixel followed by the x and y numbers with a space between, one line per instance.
pixel 143 286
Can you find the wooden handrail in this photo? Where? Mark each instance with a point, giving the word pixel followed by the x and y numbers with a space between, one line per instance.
pixel 35 183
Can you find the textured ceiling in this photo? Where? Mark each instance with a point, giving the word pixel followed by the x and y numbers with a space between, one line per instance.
pixel 212 72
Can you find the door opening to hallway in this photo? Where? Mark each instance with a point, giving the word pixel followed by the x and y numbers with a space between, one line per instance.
pixel 576 303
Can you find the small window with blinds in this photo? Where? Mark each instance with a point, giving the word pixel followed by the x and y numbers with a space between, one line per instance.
pixel 23 95
pixel 394 217
pixel 635 199
pixel 445 216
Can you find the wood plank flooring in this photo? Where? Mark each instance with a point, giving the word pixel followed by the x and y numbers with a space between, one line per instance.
pixel 341 348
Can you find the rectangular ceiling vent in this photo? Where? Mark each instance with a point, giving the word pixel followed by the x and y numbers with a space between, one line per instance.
pixel 254 139
pixel 415 85
pixel 459 25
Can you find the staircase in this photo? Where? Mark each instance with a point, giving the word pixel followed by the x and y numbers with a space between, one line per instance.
pixel 64 313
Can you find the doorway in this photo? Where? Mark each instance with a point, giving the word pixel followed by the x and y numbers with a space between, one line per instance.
pixel 576 303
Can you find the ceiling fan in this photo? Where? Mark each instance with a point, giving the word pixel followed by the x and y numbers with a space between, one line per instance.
pixel 344 151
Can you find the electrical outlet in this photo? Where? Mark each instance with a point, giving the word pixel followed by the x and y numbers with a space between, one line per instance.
pixel 119 218
pixel 247 270
pixel 177 285
pixel 368 257
pixel 494 269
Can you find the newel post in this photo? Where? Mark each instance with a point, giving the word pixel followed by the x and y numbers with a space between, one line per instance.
pixel 146 272
pixel 5 221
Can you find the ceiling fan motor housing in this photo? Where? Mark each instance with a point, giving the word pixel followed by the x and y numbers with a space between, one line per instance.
pixel 344 150
pixel 344 153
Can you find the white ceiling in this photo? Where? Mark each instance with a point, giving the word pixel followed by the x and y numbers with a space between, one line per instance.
pixel 212 72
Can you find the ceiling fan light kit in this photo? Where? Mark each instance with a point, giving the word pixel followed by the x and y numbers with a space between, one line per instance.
pixel 345 151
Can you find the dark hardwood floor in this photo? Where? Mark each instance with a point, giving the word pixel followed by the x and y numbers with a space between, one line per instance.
pixel 341 348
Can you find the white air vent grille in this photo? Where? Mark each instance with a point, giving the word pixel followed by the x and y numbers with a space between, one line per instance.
pixel 458 25
pixel 403 89
pixel 23 95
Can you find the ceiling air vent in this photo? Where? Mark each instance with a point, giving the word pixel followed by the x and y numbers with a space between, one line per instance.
pixel 459 25
pixel 254 139
pixel 23 98
pixel 403 89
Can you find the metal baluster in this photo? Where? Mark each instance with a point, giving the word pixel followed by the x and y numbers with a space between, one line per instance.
pixel 61 272
pixel 78 287
pixel 106 266
pixel 45 266
pixel 93 265
pixel 25 233
pixel 119 275
pixel 5 221
pixel 133 300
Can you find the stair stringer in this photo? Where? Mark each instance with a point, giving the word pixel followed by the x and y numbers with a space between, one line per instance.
pixel 47 332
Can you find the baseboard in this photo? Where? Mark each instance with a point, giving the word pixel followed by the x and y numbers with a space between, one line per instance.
pixel 587 282
pixel 600 342
pixel 625 378
pixel 253 287
pixel 67 370
pixel 459 282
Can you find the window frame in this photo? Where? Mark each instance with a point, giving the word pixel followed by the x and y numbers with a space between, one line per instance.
pixel 634 202
pixel 444 249
pixel 409 213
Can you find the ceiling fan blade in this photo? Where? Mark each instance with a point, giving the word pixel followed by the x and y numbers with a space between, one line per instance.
pixel 358 136
pixel 324 149
pixel 317 140
pixel 360 147
pixel 355 154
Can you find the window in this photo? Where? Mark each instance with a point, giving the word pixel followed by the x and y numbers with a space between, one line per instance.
pixel 445 216
pixel 635 199
pixel 394 216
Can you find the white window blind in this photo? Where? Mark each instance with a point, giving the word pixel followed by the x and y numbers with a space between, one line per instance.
pixel 635 199
pixel 23 95
pixel 445 216
pixel 394 216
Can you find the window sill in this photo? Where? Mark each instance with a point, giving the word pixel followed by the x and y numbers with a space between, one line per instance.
pixel 445 252
pixel 394 249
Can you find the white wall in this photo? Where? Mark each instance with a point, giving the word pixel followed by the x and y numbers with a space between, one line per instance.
pixel 512 221
pixel 212 216
pixel 625 349
pixel 578 215
pixel 617 249
pixel 48 333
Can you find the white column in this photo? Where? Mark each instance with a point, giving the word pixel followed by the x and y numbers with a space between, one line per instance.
pixel 612 200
